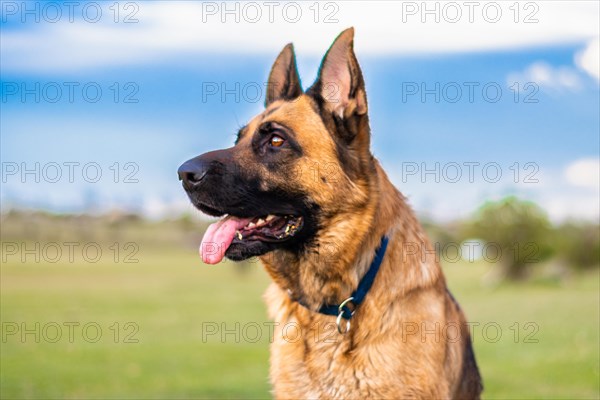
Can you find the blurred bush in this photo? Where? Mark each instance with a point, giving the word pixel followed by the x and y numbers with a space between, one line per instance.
pixel 519 228
pixel 578 244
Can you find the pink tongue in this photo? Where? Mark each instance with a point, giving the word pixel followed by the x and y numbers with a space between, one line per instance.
pixel 218 237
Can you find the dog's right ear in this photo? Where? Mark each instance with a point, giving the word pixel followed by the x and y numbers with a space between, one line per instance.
pixel 284 81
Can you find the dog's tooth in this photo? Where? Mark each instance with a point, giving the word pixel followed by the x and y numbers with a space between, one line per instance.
pixel 260 222
pixel 239 235
pixel 251 225
pixel 270 217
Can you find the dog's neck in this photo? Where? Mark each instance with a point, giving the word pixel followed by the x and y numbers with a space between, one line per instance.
pixel 349 242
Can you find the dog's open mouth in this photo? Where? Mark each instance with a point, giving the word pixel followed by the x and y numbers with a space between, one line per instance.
pixel 271 228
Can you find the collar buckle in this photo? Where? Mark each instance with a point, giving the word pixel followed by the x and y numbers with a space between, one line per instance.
pixel 344 312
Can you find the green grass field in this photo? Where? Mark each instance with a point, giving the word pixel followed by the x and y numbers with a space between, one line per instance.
pixel 169 296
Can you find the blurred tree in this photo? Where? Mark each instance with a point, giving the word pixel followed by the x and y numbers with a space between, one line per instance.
pixel 520 229
pixel 579 244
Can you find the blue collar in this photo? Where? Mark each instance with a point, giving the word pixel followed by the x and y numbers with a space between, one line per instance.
pixel 356 298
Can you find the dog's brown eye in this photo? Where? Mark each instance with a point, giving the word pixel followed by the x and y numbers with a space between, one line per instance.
pixel 276 141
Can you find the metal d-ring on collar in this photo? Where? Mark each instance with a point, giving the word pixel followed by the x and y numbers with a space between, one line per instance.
pixel 342 310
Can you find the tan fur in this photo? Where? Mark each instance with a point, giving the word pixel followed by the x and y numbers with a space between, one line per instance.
pixel 375 359
pixel 384 355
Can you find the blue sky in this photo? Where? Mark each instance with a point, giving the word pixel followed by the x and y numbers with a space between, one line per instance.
pixel 547 139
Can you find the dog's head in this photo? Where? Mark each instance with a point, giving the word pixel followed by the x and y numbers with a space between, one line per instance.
pixel 302 162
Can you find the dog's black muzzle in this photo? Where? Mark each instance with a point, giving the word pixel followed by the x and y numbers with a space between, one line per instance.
pixel 217 185
pixel 204 178
pixel 193 172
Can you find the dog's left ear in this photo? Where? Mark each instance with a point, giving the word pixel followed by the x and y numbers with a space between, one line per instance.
pixel 284 81
pixel 340 83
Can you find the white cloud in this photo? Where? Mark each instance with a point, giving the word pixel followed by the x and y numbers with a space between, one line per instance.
pixel 548 77
pixel 589 59
pixel 584 173
pixel 178 29
pixel 556 79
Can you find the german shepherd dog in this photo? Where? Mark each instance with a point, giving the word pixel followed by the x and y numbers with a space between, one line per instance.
pixel 359 313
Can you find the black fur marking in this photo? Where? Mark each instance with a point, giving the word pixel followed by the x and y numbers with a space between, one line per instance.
pixel 229 188
pixel 240 133
pixel 269 128
pixel 471 384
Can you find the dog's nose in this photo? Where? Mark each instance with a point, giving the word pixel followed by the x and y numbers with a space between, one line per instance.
pixel 192 172
pixel 196 170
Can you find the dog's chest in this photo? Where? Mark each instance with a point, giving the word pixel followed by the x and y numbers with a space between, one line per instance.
pixel 315 361
pixel 310 359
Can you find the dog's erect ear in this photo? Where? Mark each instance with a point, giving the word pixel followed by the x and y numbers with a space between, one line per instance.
pixel 340 80
pixel 284 81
